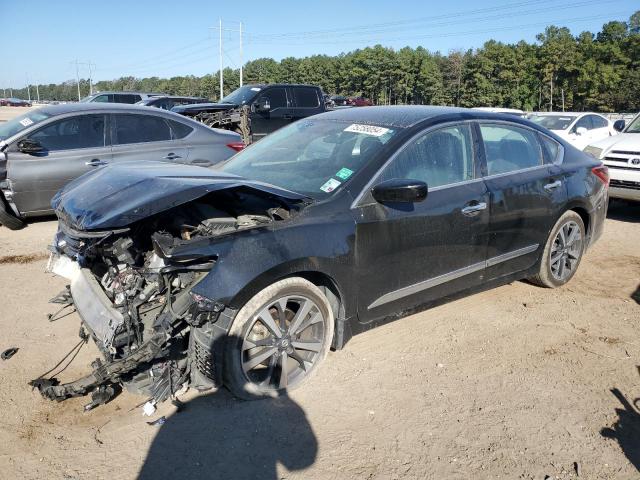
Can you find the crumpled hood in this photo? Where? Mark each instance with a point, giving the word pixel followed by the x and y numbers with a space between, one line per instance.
pixel 628 142
pixel 116 196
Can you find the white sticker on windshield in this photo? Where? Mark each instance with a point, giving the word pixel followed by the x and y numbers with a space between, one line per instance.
pixel 366 129
pixel 330 185
pixel 255 89
pixel 25 122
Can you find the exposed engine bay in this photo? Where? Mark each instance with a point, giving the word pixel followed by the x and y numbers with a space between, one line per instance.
pixel 132 290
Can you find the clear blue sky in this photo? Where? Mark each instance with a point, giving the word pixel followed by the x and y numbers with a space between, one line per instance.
pixel 147 38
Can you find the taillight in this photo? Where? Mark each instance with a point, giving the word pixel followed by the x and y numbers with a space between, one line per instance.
pixel 237 146
pixel 602 172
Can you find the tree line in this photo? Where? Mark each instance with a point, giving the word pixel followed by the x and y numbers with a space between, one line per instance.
pixel 589 71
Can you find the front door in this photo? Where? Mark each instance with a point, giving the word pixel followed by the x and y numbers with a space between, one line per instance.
pixel 72 147
pixel 277 116
pixel 526 197
pixel 408 254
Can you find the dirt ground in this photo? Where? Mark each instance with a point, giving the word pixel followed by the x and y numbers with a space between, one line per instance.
pixel 515 382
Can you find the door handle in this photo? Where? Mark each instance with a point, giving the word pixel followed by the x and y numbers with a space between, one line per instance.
pixel 553 185
pixel 172 156
pixel 287 117
pixel 96 162
pixel 474 208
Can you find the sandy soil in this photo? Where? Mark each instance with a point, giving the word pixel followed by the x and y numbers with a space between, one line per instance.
pixel 515 382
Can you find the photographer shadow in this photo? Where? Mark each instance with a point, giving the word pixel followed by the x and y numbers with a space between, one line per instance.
pixel 626 430
pixel 219 437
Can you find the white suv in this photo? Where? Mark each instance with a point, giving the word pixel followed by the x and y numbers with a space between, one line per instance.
pixel 578 128
pixel 622 155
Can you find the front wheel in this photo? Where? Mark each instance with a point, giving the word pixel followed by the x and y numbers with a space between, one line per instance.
pixel 562 252
pixel 8 219
pixel 278 339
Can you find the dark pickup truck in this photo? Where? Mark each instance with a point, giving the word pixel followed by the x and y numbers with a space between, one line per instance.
pixel 254 111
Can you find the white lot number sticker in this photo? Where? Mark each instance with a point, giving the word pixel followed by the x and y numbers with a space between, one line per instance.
pixel 255 89
pixel 330 185
pixel 25 122
pixel 366 129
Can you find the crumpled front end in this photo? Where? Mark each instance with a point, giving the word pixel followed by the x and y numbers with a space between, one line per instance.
pixel 132 288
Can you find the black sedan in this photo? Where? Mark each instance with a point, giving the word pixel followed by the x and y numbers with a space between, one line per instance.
pixel 245 276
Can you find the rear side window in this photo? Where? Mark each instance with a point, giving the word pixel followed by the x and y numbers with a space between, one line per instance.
pixel 277 97
pixel 180 130
pixel 306 97
pixel 584 122
pixel 86 131
pixel 550 149
pixel 140 129
pixel 509 148
pixel 127 98
pixel 441 157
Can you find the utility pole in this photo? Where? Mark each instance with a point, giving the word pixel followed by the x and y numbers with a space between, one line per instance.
pixel 38 92
pixel 562 91
pixel 240 53
pixel 28 87
pixel 90 78
pixel 551 99
pixel 78 79
pixel 220 54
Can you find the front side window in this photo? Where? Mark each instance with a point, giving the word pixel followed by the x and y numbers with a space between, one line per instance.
pixel 313 157
pixel 22 122
pixel 140 129
pixel 509 148
pixel 277 97
pixel 438 158
pixel 85 131
pixel 599 122
pixel 306 97
pixel 103 98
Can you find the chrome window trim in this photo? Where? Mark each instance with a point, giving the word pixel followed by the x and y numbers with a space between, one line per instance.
pixel 369 185
pixel 447 277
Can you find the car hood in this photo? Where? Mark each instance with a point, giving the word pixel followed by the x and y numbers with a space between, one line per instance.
pixel 116 196
pixel 203 107
pixel 628 142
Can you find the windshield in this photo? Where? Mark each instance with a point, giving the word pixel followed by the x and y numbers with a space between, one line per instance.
pixel 553 122
pixel 242 95
pixel 312 157
pixel 634 126
pixel 17 124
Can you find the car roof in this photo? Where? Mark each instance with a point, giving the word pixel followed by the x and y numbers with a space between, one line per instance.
pixel 564 114
pixel 63 109
pixel 128 92
pixel 400 116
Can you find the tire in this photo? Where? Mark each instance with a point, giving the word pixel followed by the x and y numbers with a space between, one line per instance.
pixel 566 247
pixel 8 219
pixel 260 321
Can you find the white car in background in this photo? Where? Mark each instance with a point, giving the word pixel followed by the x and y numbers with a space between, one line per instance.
pixel 622 155
pixel 578 128
pixel 510 111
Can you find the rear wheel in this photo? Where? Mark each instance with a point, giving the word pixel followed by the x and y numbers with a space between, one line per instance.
pixel 563 252
pixel 278 339
pixel 7 218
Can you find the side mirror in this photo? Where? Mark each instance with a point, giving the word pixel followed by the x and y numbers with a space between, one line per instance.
pixel 263 104
pixel 619 125
pixel 29 146
pixel 400 190
pixel 581 130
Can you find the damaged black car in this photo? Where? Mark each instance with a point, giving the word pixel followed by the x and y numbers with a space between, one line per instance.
pixel 246 274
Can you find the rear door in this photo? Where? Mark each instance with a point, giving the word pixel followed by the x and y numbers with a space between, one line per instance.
pixel 145 137
pixel 526 196
pixel 73 146
pixel 279 115
pixel 307 101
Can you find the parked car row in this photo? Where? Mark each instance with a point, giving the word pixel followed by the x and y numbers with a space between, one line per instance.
pixel 14 102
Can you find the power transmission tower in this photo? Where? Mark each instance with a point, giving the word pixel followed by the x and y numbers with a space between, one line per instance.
pixel 220 52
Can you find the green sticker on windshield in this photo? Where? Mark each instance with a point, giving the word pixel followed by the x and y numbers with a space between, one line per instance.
pixel 344 173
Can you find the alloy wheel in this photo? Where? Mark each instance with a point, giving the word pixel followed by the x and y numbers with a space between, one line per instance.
pixel 566 251
pixel 283 342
